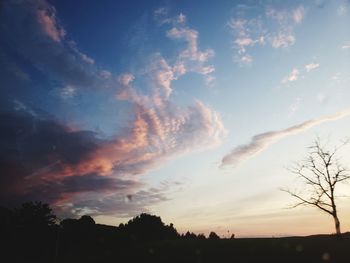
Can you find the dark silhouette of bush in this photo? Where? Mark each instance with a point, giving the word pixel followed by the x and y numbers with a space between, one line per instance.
pixel 6 217
pixel 68 223
pixel 201 236
pixel 84 221
pixel 30 235
pixel 34 215
pixel 190 235
pixel 146 238
pixel 87 221
pixel 213 235
pixel 148 227
pixel 84 227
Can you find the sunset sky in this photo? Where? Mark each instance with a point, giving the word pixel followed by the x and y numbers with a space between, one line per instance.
pixel 190 110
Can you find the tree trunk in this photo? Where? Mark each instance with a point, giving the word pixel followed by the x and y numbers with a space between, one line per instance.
pixel 337 225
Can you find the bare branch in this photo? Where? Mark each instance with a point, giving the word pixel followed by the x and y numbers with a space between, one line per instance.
pixel 320 172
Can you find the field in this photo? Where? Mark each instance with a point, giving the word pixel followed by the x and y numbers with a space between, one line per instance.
pixel 291 249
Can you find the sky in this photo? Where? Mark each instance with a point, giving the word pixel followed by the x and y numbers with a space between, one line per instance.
pixel 190 110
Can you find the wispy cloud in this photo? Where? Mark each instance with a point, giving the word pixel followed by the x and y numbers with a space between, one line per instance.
pixel 294 107
pixel 262 141
pixel 311 66
pixel 344 8
pixel 49 160
pixel 40 38
pixel 162 16
pixel 247 33
pixel 47 20
pixel 67 92
pixel 191 58
pixel 293 76
pixel 283 39
pixel 346 46
pixel 298 14
pixel 275 28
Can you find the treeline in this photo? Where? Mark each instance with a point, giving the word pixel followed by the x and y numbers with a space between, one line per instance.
pixel 32 233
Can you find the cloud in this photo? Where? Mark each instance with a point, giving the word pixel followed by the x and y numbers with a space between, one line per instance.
pixel 125 79
pixel 346 46
pixel 343 9
pixel 161 15
pixel 122 203
pixel 47 20
pixel 298 14
pixel 246 59
pixel 181 18
pixel 262 141
pixel 247 33
pixel 311 66
pixel 46 159
pixel 283 39
pixel 33 146
pixel 284 36
pixel 191 58
pixel 67 92
pixel 33 33
pixel 293 76
pixel 294 107
pixel 275 28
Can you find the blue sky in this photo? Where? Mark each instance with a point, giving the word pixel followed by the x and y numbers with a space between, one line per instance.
pixel 187 109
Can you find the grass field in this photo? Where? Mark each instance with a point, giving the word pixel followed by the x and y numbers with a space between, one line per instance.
pixel 291 249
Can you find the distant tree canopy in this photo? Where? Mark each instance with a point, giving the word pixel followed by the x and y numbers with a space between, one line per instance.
pixel 83 223
pixel 213 235
pixel 149 227
pixel 144 227
pixel 33 214
pixel 189 235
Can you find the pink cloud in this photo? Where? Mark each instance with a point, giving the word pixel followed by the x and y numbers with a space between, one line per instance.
pixel 192 58
pixel 283 39
pixel 298 14
pixel 49 25
pixel 276 28
pixel 181 18
pixel 246 59
pixel 293 76
pixel 126 79
pixel 158 128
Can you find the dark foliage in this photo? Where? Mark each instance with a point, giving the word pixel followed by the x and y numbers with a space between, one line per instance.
pixel 213 235
pixel 189 235
pixel 145 238
pixel 148 227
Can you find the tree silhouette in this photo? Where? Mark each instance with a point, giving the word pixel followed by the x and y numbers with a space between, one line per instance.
pixel 149 227
pixel 190 235
pixel 201 236
pixel 86 220
pixel 213 235
pixel 320 173
pixel 34 214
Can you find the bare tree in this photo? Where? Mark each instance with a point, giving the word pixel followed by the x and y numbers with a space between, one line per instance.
pixel 320 172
